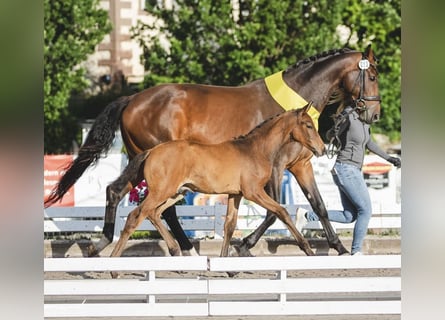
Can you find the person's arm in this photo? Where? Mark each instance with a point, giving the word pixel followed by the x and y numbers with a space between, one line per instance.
pixel 374 148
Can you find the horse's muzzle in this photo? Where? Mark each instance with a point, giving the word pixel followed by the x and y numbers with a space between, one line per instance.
pixel 319 152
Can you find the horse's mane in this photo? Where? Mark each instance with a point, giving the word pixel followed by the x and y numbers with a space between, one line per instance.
pixel 338 95
pixel 319 56
pixel 244 136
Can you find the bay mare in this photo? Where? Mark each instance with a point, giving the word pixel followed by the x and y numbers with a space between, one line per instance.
pixel 238 167
pixel 212 114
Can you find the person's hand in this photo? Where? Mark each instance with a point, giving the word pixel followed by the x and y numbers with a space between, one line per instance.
pixel 395 161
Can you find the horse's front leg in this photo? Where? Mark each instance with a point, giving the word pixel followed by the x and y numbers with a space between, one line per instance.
pixel 304 174
pixel 230 222
pixel 272 188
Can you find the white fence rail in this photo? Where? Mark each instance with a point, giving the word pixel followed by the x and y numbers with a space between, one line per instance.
pixel 196 218
pixel 204 294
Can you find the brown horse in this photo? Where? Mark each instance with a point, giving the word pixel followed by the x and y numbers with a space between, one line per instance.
pixel 238 167
pixel 212 114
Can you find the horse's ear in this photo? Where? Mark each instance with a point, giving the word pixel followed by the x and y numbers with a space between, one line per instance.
pixel 307 107
pixel 369 54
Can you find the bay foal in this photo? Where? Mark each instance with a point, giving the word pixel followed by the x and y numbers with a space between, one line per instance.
pixel 238 167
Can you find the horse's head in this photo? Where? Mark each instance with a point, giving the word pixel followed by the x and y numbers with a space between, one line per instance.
pixel 361 82
pixel 306 133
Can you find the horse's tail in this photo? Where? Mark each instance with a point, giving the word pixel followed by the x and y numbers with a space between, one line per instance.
pixel 98 141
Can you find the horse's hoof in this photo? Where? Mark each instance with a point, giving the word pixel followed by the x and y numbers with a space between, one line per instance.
pixel 231 274
pixel 114 274
pixel 92 251
pixel 233 251
pixel 243 251
pixel 191 252
pixel 346 253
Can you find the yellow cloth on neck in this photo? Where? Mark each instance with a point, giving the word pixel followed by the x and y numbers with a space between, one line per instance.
pixel 286 97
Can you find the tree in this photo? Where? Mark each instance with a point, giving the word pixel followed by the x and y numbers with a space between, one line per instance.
pixel 234 42
pixel 211 41
pixel 72 29
pixel 379 22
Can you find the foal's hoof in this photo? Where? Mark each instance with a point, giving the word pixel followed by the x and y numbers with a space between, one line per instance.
pixel 114 274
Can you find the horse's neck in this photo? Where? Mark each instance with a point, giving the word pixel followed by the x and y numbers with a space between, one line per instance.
pixel 317 86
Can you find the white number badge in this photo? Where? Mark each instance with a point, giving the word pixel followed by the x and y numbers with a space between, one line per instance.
pixel 363 64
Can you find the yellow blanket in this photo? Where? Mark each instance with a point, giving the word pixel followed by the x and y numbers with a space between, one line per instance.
pixel 286 97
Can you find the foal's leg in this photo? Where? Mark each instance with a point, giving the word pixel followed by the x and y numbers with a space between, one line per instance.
pixel 260 197
pixel 230 223
pixel 129 178
pixel 304 174
pixel 134 219
pixel 273 188
pixel 154 212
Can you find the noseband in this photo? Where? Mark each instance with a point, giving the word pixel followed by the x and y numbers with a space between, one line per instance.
pixel 360 102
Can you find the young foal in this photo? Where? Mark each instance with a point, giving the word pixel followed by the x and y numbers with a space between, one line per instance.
pixel 239 167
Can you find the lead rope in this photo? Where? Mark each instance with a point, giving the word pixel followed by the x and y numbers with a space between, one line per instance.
pixel 334 145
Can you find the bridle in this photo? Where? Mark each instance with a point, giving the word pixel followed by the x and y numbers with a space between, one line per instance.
pixel 360 103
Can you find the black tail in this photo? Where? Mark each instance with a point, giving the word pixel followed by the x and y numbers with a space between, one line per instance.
pixel 98 141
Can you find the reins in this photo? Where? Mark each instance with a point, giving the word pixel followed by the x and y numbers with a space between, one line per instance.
pixel 334 145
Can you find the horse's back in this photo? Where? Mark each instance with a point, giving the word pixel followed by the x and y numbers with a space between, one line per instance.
pixel 203 113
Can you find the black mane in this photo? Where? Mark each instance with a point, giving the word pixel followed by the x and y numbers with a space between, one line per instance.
pixel 321 55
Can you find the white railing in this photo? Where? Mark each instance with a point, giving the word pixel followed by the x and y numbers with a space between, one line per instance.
pixel 269 290
pixel 192 218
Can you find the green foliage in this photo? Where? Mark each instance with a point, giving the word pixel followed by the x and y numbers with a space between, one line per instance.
pixel 379 22
pixel 209 41
pixel 72 29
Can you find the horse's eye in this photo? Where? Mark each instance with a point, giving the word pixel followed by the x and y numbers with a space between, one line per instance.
pixel 309 126
pixel 372 78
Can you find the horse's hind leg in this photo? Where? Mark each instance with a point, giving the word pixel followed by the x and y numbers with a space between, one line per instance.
pixel 129 178
pixel 230 222
pixel 172 220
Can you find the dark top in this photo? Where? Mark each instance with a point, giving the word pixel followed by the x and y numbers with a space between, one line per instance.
pixel 355 139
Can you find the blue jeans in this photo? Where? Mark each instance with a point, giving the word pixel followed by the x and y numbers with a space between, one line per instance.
pixel 355 200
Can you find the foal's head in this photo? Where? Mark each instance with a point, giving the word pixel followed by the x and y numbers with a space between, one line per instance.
pixel 306 133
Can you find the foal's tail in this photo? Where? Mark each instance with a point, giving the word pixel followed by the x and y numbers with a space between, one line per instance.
pixel 98 141
pixel 133 170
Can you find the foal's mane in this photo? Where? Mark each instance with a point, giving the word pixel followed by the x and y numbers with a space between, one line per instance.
pixel 241 137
